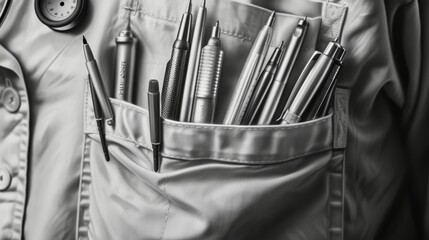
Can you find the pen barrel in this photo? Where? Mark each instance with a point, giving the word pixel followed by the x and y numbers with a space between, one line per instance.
pixel 95 102
pixel 100 90
pixel 309 88
pixel 248 77
pixel 154 117
pixel 172 90
pixel 259 94
pixel 192 68
pixel 124 66
pixel 101 133
pixel 270 106
pixel 207 84
pixel 292 51
pixel 285 69
pixel 321 102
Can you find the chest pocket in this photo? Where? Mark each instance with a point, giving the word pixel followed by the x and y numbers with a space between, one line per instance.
pixel 216 181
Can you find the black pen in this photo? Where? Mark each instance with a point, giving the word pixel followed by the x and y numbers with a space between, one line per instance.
pixel 97 81
pixel 175 73
pixel 154 121
pixel 99 120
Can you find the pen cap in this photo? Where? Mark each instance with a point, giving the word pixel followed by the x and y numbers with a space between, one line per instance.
pixel 154 111
pixel 335 51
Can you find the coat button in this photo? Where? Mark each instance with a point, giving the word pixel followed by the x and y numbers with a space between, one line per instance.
pixel 11 99
pixel 5 178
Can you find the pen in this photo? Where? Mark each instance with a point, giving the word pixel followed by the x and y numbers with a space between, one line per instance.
pixel 99 120
pixel 249 74
pixel 208 79
pixel 124 65
pixel 154 121
pixel 324 96
pixel 172 89
pixel 312 79
pixel 193 64
pixel 274 95
pixel 97 81
pixel 262 87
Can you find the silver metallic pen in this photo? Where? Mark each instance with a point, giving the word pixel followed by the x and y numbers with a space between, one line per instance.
pixel 282 76
pixel 172 89
pixel 313 79
pixel 249 75
pixel 193 63
pixel 99 120
pixel 97 81
pixel 262 87
pixel 154 121
pixel 208 79
pixel 124 65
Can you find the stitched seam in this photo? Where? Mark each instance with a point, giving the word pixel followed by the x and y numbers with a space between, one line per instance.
pixel 227 128
pixel 128 107
pixel 176 20
pixel 129 139
pixel 145 13
pixel 245 161
pixel 247 129
pixel 168 208
pixel 236 35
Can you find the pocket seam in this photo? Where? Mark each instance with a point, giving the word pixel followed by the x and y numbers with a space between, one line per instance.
pixel 319 150
pixel 236 128
pixel 241 128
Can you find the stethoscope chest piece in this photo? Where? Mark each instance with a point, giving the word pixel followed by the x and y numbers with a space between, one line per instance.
pixel 61 15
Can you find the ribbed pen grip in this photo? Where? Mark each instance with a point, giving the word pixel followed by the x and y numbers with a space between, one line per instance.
pixel 209 72
pixel 172 89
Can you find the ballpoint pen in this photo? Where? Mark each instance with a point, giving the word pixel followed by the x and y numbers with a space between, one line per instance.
pixel 193 64
pixel 172 89
pixel 274 95
pixel 322 102
pixel 154 121
pixel 124 65
pixel 99 120
pixel 249 74
pixel 262 87
pixel 208 79
pixel 314 76
pixel 100 90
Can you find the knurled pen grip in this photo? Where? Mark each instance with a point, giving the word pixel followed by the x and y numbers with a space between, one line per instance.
pixel 172 90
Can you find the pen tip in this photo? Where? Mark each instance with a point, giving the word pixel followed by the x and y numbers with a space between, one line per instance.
pixel 270 22
pixel 216 30
pixel 84 40
pixel 189 7
pixel 280 44
pixel 203 3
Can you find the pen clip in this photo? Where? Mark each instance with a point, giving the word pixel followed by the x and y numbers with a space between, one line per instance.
pixel 300 81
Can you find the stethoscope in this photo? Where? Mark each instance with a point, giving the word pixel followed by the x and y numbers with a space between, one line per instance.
pixel 59 15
